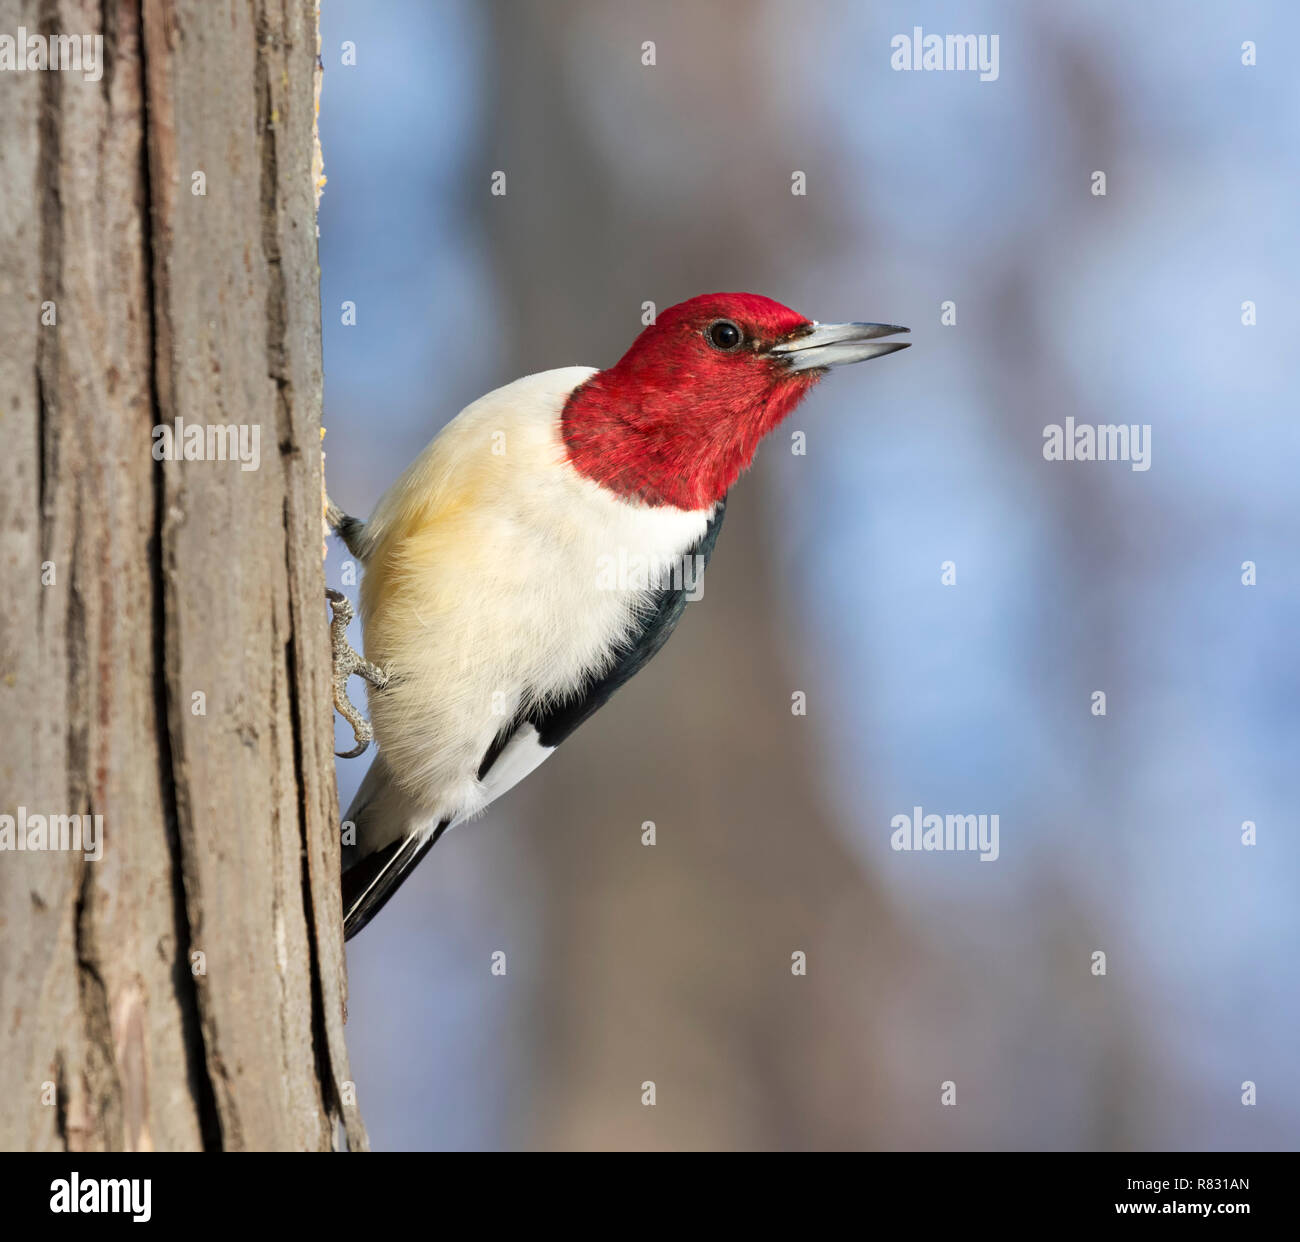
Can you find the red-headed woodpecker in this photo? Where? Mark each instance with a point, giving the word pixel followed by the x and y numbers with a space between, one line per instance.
pixel 494 622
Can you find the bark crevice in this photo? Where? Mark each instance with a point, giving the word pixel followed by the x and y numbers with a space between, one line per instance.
pixel 186 987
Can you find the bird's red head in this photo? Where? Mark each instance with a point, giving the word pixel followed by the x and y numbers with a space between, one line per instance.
pixel 680 415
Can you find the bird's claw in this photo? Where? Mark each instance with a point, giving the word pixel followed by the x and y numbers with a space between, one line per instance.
pixel 346 663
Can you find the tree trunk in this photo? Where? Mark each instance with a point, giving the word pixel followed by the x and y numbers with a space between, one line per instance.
pixel 163 650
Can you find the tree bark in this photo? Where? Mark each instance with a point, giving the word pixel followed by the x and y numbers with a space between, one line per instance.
pixel 163 648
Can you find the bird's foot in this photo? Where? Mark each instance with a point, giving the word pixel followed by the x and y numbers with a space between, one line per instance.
pixel 346 663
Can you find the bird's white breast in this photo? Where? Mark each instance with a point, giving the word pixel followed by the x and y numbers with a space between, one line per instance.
pixel 497 574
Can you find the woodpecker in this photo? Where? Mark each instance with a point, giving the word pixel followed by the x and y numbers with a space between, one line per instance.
pixel 492 624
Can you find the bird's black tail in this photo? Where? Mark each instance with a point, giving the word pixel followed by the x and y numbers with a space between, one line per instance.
pixel 369 884
pixel 390 833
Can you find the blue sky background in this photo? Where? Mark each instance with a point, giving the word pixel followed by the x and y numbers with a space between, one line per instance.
pixel 1071 577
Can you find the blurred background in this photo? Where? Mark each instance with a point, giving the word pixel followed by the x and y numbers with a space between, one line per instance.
pixel 631 183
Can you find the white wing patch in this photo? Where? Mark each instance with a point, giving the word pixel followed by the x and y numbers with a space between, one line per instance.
pixel 522 754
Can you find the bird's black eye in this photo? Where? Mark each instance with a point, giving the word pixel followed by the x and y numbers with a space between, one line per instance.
pixel 724 335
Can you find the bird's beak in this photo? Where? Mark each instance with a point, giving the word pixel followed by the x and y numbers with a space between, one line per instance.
pixel 833 344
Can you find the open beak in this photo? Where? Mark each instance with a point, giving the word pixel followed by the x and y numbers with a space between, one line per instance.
pixel 833 344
